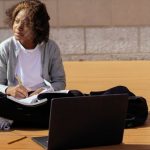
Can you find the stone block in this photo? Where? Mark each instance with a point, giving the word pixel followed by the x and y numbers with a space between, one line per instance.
pixel 130 12
pixel 2 14
pixel 4 34
pixel 52 8
pixel 112 40
pixel 145 39
pixel 70 40
pixel 84 12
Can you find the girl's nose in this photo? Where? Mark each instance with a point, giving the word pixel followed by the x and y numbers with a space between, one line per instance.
pixel 20 26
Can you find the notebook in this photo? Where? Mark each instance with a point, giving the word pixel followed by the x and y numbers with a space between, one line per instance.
pixel 86 121
pixel 31 100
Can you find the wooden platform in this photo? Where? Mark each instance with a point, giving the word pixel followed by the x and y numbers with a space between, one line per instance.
pixel 97 75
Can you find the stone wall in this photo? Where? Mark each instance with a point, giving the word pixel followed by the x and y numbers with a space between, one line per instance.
pixel 96 29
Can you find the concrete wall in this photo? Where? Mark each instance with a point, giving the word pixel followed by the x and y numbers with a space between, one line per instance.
pixel 96 29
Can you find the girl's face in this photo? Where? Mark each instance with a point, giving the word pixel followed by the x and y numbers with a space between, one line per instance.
pixel 22 30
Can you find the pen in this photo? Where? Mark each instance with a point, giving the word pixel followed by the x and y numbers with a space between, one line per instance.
pixel 19 80
pixel 19 139
pixel 20 83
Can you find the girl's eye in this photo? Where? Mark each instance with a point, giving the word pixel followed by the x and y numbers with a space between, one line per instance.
pixel 24 23
pixel 16 21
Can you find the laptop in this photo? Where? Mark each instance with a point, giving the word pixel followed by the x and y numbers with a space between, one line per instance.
pixel 85 121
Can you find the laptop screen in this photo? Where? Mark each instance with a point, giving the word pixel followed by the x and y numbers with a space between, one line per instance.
pixel 86 121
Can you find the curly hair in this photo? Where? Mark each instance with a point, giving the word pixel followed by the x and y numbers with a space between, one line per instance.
pixel 38 17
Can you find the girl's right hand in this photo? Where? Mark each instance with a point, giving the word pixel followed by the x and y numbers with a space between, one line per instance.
pixel 18 91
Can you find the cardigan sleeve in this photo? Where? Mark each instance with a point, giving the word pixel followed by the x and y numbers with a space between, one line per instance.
pixel 3 69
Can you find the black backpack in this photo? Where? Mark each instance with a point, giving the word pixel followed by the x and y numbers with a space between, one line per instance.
pixel 137 111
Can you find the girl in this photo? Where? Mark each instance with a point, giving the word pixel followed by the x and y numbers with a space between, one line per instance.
pixel 29 55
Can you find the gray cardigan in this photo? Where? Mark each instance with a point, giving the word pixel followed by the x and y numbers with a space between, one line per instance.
pixel 52 66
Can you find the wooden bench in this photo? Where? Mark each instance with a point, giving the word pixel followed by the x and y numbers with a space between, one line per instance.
pixel 97 75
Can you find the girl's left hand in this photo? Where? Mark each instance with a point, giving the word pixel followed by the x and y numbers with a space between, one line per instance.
pixel 36 92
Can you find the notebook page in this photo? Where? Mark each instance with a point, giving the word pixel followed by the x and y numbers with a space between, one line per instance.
pixel 34 99
pixel 29 100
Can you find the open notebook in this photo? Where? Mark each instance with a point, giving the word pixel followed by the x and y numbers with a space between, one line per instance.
pixel 34 99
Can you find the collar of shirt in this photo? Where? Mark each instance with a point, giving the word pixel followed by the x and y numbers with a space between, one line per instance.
pixel 20 47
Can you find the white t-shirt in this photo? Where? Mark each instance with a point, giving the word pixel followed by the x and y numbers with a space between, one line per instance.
pixel 29 67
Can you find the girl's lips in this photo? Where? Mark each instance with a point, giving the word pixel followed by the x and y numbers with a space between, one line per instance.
pixel 18 34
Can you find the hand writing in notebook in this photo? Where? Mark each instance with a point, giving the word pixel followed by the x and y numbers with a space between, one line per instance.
pixel 18 91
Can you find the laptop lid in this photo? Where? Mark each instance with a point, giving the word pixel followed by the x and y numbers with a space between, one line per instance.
pixel 87 121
